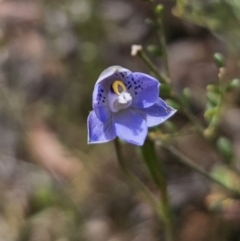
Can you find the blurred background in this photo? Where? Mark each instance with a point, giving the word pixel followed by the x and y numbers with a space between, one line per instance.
pixel 55 187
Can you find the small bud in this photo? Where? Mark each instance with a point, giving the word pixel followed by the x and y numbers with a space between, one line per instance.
pixel 235 83
pixel 43 197
pixel 225 148
pixel 153 49
pixel 213 88
pixel 209 106
pixel 159 10
pixel 209 133
pixel 136 49
pixel 215 120
pixel 222 72
pixel 209 113
pixel 218 59
pixel 213 98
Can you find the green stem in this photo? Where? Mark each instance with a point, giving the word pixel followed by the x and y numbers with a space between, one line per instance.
pixel 189 163
pixel 162 40
pixel 213 123
pixel 133 179
pixel 156 171
pixel 161 36
pixel 120 157
pixel 152 67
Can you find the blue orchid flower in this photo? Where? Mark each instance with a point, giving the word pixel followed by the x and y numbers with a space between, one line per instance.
pixel 125 104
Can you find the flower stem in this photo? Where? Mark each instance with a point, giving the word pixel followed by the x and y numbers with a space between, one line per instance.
pixel 156 171
pixel 119 154
pixel 152 67
pixel 161 36
pixel 133 179
pixel 189 163
pixel 162 40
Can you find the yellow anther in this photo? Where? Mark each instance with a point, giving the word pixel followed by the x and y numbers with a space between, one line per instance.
pixel 118 87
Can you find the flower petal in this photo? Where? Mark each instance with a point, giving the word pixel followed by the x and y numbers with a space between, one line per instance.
pixel 112 73
pixel 157 113
pixel 143 88
pixel 130 126
pixel 100 103
pixel 99 132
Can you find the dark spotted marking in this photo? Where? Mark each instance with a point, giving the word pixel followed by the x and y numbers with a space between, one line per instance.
pixel 100 96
